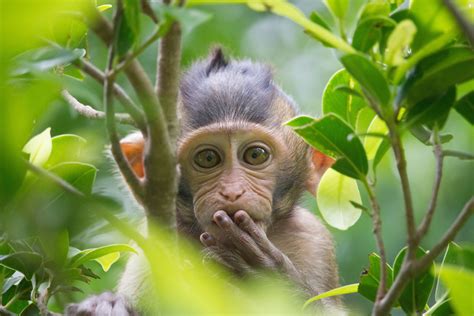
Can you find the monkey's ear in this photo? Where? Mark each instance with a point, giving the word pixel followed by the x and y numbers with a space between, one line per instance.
pixel 133 147
pixel 318 166
pixel 216 61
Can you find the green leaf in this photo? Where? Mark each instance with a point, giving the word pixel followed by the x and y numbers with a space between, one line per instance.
pixel 30 310
pixel 381 151
pixel 370 279
pixel 334 138
pixel 46 58
pixel 375 8
pixel 369 77
pixel 108 260
pixel 438 72
pixel 369 32
pixel 372 143
pixel 80 175
pixel 125 38
pixel 465 107
pixel 417 292
pixel 316 18
pixel 65 148
pixel 432 111
pixel 131 10
pixel 39 148
pixel 338 7
pixel 346 106
pixel 13 280
pixel 444 309
pixel 398 42
pixel 73 72
pixel 334 196
pixel 104 7
pixel 460 283
pixel 25 262
pixel 424 135
pixel 95 253
pixel 56 246
pixel 364 118
pixel 342 290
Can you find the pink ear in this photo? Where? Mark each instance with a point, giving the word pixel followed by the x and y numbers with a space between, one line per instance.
pixel 319 164
pixel 133 148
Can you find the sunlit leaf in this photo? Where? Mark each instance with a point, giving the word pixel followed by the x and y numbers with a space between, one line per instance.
pixel 338 7
pixel 346 106
pixel 13 280
pixel 417 292
pixel 460 283
pixel 364 118
pixel 372 142
pixel 369 77
pixel 346 289
pixel 465 107
pixel 65 148
pixel 398 42
pixel 450 257
pixel 104 7
pixel 108 260
pixel 95 253
pixel 334 196
pixel 334 138
pixel 39 148
pixel 375 8
pixel 370 278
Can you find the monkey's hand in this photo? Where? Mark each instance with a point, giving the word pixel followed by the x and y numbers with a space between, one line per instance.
pixel 243 246
pixel 105 304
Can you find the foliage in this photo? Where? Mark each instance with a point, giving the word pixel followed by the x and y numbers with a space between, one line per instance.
pixel 403 71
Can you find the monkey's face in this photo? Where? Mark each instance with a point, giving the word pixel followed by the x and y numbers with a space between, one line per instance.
pixel 231 167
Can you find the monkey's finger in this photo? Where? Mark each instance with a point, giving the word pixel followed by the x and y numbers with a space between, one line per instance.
pixel 241 240
pixel 207 240
pixel 245 222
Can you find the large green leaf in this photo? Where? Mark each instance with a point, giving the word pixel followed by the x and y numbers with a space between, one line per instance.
pixel 432 111
pixel 460 283
pixel 345 105
pixel 369 32
pixel 465 107
pixel 370 279
pixel 342 290
pixel 96 253
pixel 25 262
pixel 333 137
pixel 369 76
pixel 437 73
pixel 334 196
pixel 417 292
pixel 65 148
pixel 80 175
pixel 132 10
pixel 46 58
pixel 39 148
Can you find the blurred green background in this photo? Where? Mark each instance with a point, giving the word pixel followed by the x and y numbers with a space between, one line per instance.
pixel 302 67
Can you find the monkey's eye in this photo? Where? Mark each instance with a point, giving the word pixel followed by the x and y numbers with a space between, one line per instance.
pixel 207 158
pixel 256 155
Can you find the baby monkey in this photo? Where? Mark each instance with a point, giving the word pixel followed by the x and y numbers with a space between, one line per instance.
pixel 242 174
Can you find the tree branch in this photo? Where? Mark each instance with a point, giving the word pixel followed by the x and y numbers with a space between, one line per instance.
pixel 426 222
pixel 377 230
pixel 124 166
pixel 412 267
pixel 464 23
pixel 135 112
pixel 91 113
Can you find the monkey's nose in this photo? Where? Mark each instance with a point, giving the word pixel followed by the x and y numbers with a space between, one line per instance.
pixel 232 194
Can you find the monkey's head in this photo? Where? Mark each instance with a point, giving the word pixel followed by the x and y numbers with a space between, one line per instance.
pixel 234 151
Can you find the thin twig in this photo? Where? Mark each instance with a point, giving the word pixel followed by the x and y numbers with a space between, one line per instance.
pixel 124 166
pixel 426 222
pixel 412 267
pixel 129 105
pixel 91 113
pixel 463 22
pixel 377 230
pixel 148 10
